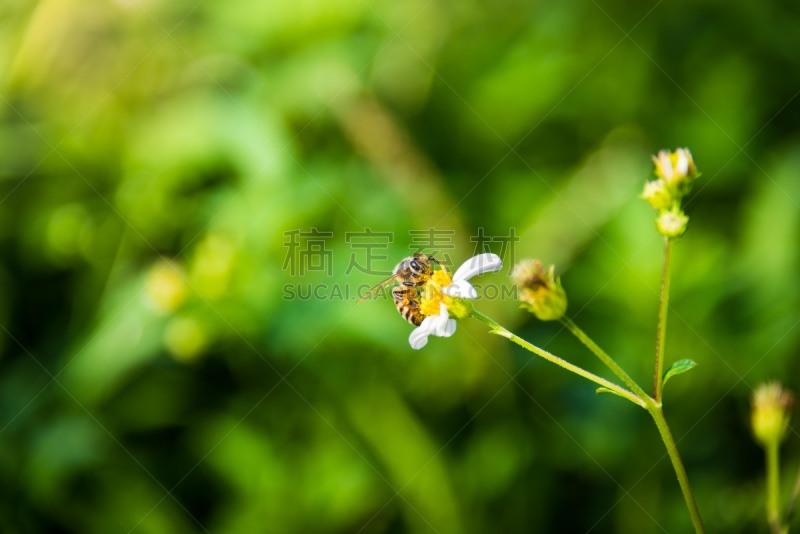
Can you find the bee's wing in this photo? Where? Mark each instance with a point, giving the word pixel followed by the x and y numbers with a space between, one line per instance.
pixel 376 287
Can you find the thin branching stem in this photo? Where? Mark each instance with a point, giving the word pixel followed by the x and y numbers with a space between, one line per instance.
pixel 677 465
pixel 661 333
pixel 773 488
pixel 501 331
pixel 637 396
pixel 603 356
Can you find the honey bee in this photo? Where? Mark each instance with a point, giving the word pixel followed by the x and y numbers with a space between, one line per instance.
pixel 410 274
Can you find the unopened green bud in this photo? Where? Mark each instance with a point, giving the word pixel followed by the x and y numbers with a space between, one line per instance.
pixel 677 169
pixel 772 405
pixel 540 292
pixel 658 195
pixel 672 223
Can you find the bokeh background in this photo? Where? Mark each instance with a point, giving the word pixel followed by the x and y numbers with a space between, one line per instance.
pixel 175 175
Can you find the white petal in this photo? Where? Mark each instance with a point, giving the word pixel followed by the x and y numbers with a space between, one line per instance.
pixel 419 336
pixel 480 264
pixel 682 165
pixel 447 329
pixel 461 289
pixel 441 318
pixel 665 164
pixel 418 339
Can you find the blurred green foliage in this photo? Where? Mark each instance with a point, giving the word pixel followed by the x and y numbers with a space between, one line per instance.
pixel 154 157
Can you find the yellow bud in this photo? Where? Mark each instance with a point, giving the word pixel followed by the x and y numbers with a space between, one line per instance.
pixel 540 292
pixel 658 195
pixel 672 223
pixel 771 412
pixel 677 169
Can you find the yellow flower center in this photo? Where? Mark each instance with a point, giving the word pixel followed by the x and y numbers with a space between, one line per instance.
pixel 433 297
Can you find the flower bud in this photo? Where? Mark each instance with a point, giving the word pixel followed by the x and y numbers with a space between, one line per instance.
pixel 539 290
pixel 658 195
pixel 677 169
pixel 771 412
pixel 672 223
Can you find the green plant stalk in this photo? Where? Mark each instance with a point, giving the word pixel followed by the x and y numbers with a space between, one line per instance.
pixel 639 398
pixel 501 331
pixel 654 408
pixel 677 464
pixel 661 333
pixel 604 357
pixel 773 487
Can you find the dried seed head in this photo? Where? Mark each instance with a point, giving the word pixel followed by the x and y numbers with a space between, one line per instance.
pixel 540 291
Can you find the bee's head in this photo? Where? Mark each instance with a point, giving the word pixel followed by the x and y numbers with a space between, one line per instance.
pixel 420 262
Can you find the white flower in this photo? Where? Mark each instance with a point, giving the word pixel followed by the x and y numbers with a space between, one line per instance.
pixel 676 167
pixel 446 292
pixel 682 165
pixel 482 263
pixel 433 325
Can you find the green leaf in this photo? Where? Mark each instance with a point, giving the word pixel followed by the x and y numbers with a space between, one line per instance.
pixel 678 368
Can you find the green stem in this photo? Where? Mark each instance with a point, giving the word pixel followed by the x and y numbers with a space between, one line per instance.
pixel 655 410
pixel 677 464
pixel 604 357
pixel 501 331
pixel 661 334
pixel 638 397
pixel 773 487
